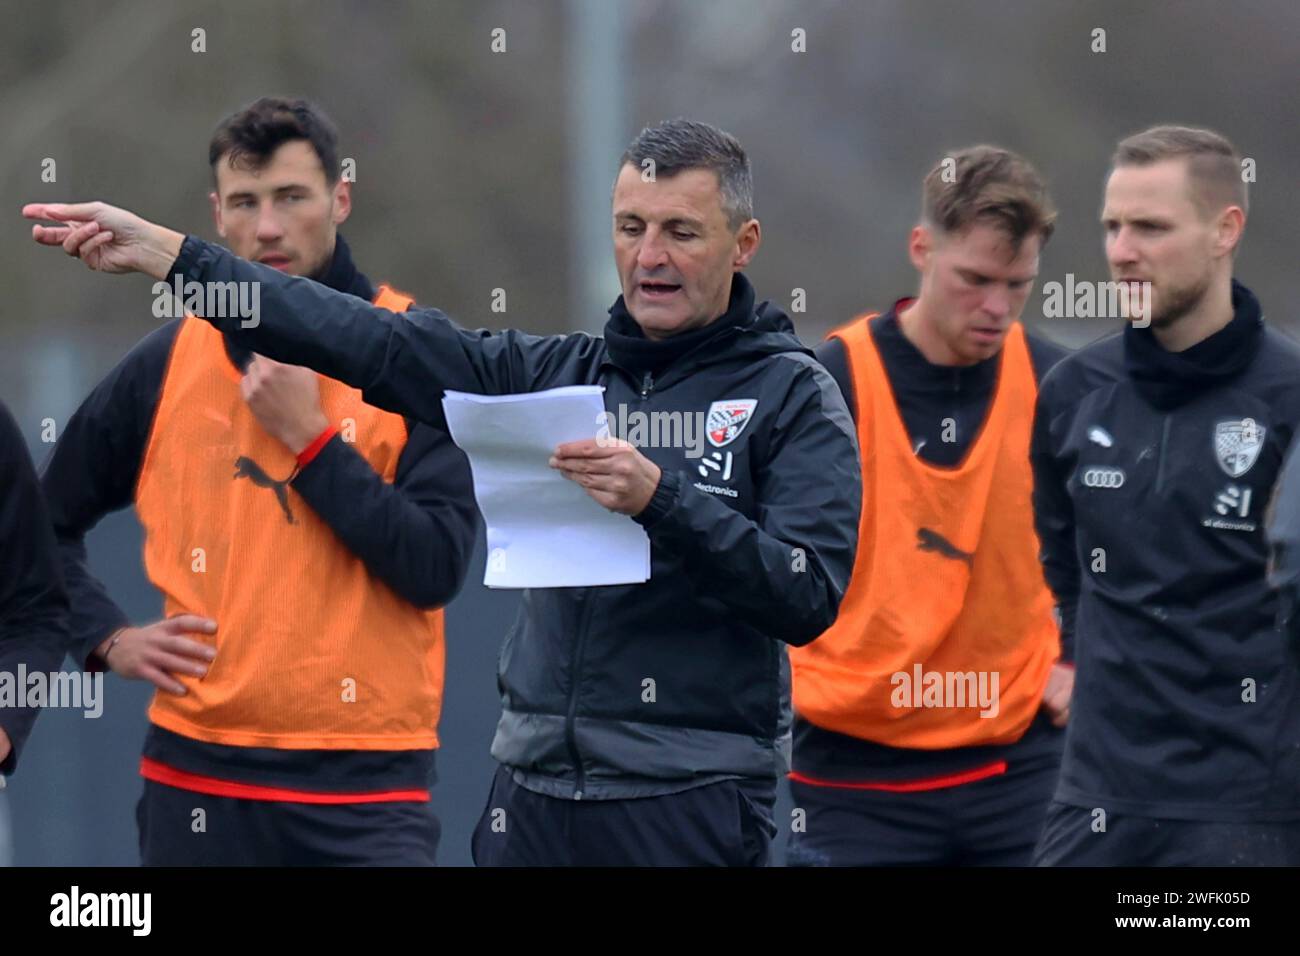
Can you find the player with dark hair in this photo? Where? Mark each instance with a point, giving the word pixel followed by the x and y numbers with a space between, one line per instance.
pixel 303 541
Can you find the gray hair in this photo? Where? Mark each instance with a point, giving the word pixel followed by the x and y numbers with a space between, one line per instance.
pixel 681 144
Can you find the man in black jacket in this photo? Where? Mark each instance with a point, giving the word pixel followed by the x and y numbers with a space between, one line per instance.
pixel 641 724
pixel 1155 452
pixel 368 523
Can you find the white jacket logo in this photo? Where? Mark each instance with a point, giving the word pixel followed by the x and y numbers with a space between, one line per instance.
pixel 727 419
pixel 1237 445
pixel 1103 478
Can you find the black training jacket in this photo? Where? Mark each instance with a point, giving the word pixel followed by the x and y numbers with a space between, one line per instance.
pixel 1152 473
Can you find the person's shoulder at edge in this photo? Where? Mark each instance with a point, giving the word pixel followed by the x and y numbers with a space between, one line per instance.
pixel 1044 351
pixel 1274 375
pixel 1280 350
pixel 1081 370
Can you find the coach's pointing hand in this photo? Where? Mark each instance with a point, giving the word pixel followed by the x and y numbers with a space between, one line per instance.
pixel 106 238
pixel 614 473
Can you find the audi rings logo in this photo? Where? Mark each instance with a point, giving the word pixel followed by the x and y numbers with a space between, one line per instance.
pixel 1103 478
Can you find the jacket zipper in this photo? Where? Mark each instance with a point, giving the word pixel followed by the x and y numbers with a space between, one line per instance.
pixel 584 617
pixel 584 620
pixel 1160 458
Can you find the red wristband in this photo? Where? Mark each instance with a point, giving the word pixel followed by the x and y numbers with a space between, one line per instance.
pixel 312 450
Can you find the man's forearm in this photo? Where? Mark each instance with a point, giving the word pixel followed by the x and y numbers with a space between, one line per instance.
pixel 399 365
pixel 401 362
pixel 420 551
pixel 1054 523
pixel 160 251
pixel 95 617
pixel 39 649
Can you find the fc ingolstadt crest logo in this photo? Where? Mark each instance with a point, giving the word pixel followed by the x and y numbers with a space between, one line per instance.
pixel 726 420
pixel 1237 445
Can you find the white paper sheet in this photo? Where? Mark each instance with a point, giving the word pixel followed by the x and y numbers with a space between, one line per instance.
pixel 543 530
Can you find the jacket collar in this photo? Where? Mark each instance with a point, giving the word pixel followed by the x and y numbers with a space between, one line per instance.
pixel 630 350
pixel 1169 379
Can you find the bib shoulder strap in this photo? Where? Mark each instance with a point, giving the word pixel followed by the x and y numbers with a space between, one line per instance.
pixel 856 333
pixel 392 300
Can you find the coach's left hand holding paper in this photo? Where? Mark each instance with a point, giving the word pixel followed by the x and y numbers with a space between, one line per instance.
pixel 543 532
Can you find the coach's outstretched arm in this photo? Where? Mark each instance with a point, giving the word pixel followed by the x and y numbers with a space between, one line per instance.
pixel 401 363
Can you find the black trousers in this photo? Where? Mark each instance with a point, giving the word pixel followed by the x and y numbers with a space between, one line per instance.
pixel 720 824
pixel 234 832
pixel 1072 837
pixel 991 822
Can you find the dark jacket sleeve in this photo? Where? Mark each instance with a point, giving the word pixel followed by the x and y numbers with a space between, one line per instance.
pixel 92 472
pixel 1284 537
pixel 835 357
pixel 784 574
pixel 1054 512
pixel 417 534
pixel 401 362
pixel 33 603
